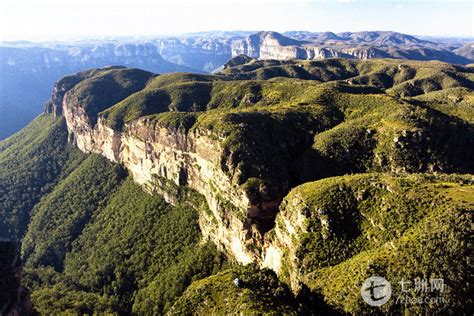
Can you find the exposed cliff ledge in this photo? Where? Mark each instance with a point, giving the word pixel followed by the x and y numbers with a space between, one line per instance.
pixel 243 144
pixel 160 158
pixel 332 234
pixel 364 45
pixel 271 45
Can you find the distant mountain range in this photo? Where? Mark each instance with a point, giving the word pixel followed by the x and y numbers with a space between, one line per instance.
pixel 359 45
pixel 466 51
pixel 28 70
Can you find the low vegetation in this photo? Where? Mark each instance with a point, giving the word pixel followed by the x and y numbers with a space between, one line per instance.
pixel 399 227
pixel 241 290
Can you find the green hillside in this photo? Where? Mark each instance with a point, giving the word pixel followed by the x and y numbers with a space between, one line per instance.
pixel 401 227
pixel 61 215
pixel 257 292
pixel 32 162
pixel 135 251
pixel 95 241
pixel 368 163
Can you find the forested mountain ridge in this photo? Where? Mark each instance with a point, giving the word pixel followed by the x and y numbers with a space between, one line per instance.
pixel 307 168
pixel 29 69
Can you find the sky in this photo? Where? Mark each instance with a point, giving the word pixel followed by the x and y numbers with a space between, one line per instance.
pixel 40 20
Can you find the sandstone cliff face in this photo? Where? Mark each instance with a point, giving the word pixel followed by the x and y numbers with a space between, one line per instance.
pixel 271 49
pixel 271 45
pixel 245 163
pixel 161 159
pixel 282 244
pixel 268 45
pixel 364 53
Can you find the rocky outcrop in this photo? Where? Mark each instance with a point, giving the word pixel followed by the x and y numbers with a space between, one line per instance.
pixel 466 51
pixel 335 232
pixel 282 244
pixel 271 45
pixel 162 159
pixel 268 45
pixel 359 45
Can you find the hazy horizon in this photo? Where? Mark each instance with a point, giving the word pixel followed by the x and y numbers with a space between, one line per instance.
pixel 53 20
pixel 124 38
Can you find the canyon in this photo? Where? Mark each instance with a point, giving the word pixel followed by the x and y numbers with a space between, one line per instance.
pixel 294 179
pixel 165 158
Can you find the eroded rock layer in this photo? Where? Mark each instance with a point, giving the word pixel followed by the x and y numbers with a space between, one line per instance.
pixel 243 143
